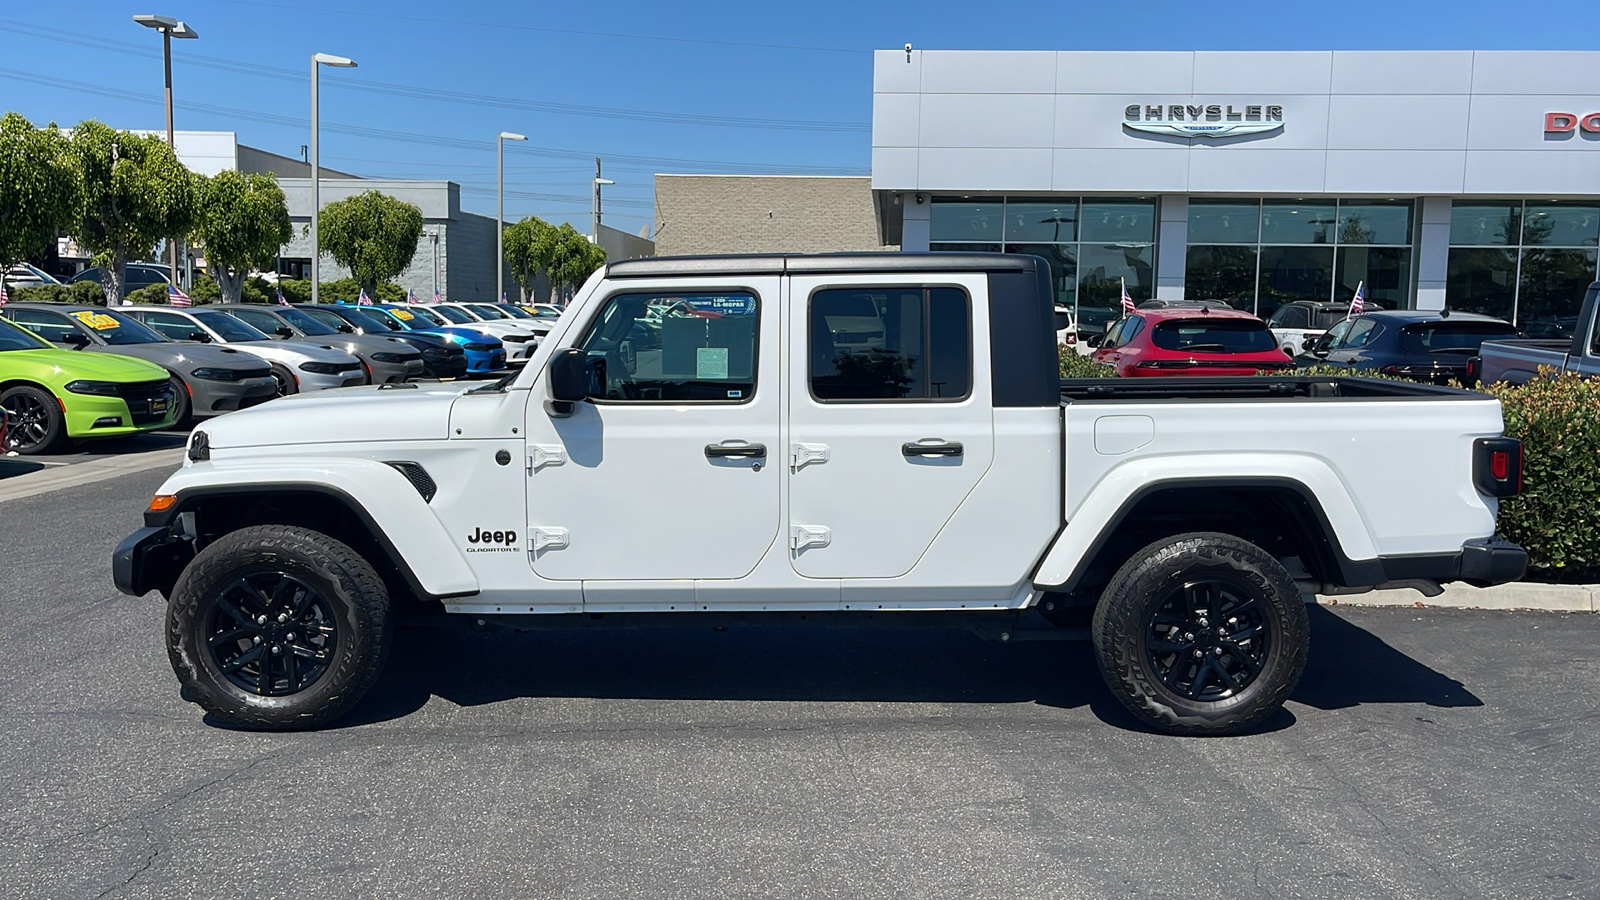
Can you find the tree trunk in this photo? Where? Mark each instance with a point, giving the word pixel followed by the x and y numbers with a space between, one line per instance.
pixel 370 285
pixel 231 284
pixel 114 277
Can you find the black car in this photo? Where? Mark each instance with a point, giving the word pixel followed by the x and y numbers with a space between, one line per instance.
pixel 1427 345
pixel 135 275
pixel 441 358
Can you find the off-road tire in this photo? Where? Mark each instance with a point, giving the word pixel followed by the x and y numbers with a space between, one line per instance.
pixel 1123 619
pixel 351 589
pixel 39 403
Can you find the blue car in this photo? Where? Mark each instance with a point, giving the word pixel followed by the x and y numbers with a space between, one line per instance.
pixel 485 352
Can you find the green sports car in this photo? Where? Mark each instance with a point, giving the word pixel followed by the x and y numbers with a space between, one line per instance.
pixel 51 395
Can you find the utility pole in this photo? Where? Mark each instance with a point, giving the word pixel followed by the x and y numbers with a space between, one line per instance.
pixel 169 28
pixel 317 61
pixel 594 207
pixel 500 211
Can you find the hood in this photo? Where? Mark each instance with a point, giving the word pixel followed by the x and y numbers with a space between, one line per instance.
pixel 466 333
pixel 186 356
pixel 77 364
pixel 370 413
pixel 316 352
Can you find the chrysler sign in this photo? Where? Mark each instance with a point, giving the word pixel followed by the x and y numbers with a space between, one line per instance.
pixel 1204 120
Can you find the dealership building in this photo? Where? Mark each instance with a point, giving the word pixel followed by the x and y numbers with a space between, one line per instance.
pixel 1441 178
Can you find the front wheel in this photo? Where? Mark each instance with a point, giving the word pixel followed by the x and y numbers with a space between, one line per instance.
pixel 38 424
pixel 1201 634
pixel 276 627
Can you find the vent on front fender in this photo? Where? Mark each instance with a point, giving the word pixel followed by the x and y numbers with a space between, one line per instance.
pixel 419 478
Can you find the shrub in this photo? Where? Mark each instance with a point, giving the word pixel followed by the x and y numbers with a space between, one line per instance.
pixel 151 293
pixel 83 293
pixel 348 289
pixel 1557 516
pixel 1075 365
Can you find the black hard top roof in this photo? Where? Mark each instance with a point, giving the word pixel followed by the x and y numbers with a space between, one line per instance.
pixel 821 263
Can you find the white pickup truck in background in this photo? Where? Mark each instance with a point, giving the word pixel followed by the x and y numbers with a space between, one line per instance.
pixel 870 437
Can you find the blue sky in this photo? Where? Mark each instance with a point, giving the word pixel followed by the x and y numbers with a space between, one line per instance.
pixel 651 87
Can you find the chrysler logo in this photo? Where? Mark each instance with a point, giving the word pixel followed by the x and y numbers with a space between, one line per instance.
pixel 1204 120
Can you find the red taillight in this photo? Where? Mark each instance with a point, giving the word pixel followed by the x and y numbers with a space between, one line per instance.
pixel 1500 465
pixel 1497 466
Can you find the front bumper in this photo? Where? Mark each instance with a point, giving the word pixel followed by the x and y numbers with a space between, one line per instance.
pixel 393 373
pixel 312 381
pixel 452 365
pixel 84 411
pixel 150 559
pixel 1482 562
pixel 484 361
pixel 212 398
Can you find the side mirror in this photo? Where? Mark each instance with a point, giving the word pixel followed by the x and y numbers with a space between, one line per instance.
pixel 200 336
pixel 77 338
pixel 569 379
pixel 283 331
pixel 347 328
pixel 1095 340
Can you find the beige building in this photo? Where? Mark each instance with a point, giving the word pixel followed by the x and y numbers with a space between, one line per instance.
pixel 697 214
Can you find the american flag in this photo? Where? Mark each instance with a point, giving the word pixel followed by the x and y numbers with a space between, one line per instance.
pixel 1359 301
pixel 437 298
pixel 176 296
pixel 4 297
pixel 363 300
pixel 1127 302
pixel 411 296
pixel 281 300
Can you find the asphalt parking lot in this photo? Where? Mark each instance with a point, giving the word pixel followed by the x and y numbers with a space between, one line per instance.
pixel 1428 753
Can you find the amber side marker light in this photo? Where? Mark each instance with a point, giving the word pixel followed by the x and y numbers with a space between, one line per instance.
pixel 162 501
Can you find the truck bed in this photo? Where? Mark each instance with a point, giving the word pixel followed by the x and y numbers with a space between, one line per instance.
pixel 1275 387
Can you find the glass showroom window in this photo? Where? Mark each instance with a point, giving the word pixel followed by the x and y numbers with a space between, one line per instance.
pixel 1093 246
pixel 1527 262
pixel 1260 254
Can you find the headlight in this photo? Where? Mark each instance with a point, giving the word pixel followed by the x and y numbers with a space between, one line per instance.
pixel 436 351
pixel 321 368
pixel 213 374
pixel 518 338
pixel 388 357
pixel 102 388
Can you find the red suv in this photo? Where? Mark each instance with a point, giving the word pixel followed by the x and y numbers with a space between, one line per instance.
pixel 1190 341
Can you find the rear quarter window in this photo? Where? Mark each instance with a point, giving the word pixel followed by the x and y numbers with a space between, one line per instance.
pixel 1452 337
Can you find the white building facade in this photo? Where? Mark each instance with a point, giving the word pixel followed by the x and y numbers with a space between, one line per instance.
pixel 1461 178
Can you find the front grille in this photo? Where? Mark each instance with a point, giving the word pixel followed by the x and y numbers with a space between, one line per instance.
pixel 143 390
pixel 482 348
pixel 419 478
pixel 254 373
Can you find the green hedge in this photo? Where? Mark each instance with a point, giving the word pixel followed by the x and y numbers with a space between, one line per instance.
pixel 1557 516
pixel 88 293
pixel 1075 365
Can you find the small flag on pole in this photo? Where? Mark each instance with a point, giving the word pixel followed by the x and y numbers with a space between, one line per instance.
pixel 176 296
pixel 437 298
pixel 1127 302
pixel 282 301
pixel 411 296
pixel 363 300
pixel 1359 301
pixel 4 297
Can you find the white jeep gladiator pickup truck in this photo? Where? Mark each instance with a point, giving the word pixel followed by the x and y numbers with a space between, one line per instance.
pixel 857 438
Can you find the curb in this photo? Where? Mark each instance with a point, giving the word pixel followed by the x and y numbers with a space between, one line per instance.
pixel 55 479
pixel 1457 595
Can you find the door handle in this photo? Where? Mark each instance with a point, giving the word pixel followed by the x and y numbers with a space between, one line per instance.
pixel 932 447
pixel 736 451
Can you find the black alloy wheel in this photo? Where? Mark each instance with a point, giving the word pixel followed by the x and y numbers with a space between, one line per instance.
pixel 37 423
pixel 285 382
pixel 1208 639
pixel 272 634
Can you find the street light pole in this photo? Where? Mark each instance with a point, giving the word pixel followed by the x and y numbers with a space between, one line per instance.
pixel 500 211
pixel 169 28
pixel 594 210
pixel 317 61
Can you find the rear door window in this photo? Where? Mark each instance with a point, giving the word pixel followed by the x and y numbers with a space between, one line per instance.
pixel 1214 336
pixel 902 344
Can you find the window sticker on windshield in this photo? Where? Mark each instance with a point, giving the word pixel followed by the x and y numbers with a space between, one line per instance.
pixel 97 321
pixel 402 315
pixel 711 362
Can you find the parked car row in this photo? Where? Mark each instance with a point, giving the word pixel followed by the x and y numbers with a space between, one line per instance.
pixel 76 372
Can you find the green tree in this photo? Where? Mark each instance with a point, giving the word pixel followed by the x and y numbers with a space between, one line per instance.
pixel 572 259
pixel 243 220
pixel 136 193
pixel 528 244
pixel 371 234
pixel 41 188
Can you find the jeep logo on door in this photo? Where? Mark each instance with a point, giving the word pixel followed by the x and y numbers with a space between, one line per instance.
pixel 1203 120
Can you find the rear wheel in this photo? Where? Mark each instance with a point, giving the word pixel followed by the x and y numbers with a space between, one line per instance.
pixel 276 627
pixel 38 424
pixel 1201 634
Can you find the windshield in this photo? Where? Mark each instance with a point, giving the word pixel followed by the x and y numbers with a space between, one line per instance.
pixel 299 319
pixel 366 319
pixel 1214 336
pixel 387 318
pixel 513 311
pixel 231 329
pixel 14 338
pixel 117 329
pixel 421 317
pixel 1327 318
pixel 487 311
pixel 1459 338
pixel 331 319
pixel 453 314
